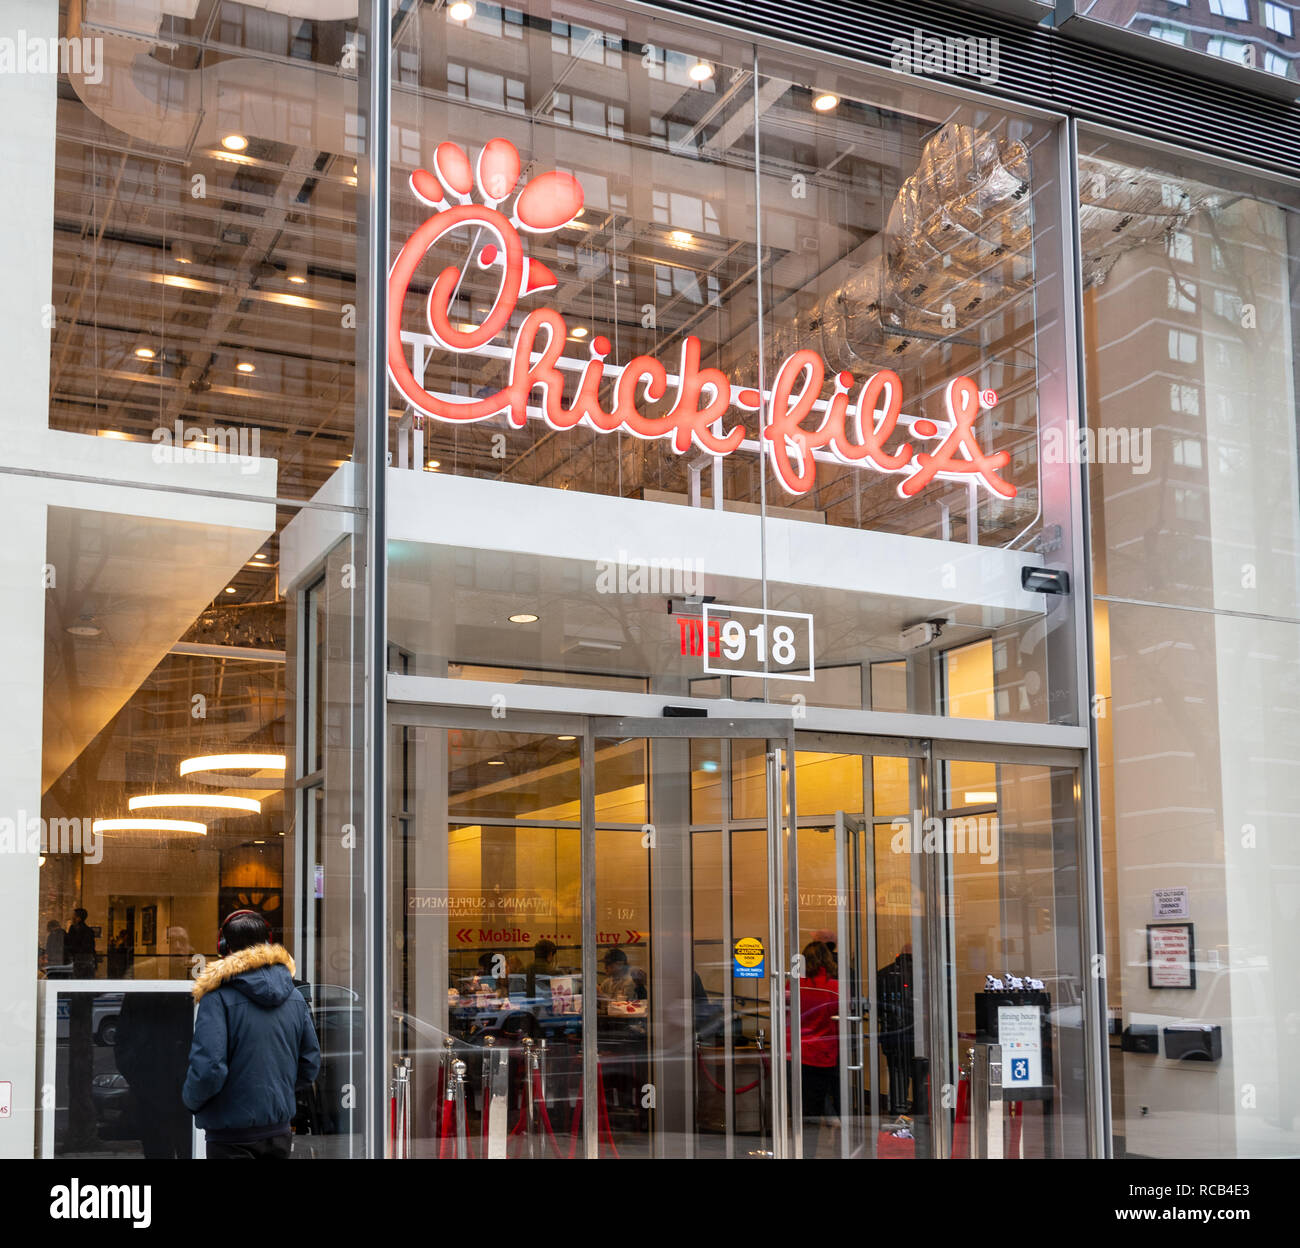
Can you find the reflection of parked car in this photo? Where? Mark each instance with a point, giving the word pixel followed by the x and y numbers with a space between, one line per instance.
pixel 338 1015
pixel 115 1107
pixel 1067 1000
pixel 1238 998
pixel 104 1013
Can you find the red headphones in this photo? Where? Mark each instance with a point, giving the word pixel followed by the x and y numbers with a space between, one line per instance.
pixel 222 947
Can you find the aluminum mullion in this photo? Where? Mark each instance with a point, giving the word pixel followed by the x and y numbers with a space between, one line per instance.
pixel 1092 888
pixel 872 1056
pixel 587 860
pixel 845 1013
pixel 728 980
pixel 776 935
pixel 376 24
pixel 793 1011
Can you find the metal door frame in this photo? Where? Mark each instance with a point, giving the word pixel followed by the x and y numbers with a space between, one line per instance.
pixel 588 728
pixel 783 742
pixel 778 738
pixel 938 1002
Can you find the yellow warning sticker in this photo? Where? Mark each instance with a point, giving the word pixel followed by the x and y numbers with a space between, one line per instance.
pixel 747 958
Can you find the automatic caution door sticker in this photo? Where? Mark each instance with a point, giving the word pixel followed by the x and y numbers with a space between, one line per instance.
pixel 747 958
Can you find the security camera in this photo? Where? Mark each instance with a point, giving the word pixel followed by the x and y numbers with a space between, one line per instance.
pixel 919 635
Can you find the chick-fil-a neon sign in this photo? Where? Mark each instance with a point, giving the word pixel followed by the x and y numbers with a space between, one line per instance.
pixel 857 422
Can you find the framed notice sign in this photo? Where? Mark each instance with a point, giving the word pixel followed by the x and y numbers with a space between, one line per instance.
pixel 1169 956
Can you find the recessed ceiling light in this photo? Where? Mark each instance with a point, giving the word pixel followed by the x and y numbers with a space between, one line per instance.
pixel 234 142
pixel 259 555
pixel 230 589
pixel 244 366
pixel 496 762
pixel 84 630
pixel 296 272
pixel 524 617
pixel 566 738
pixel 460 11
pixel 683 238
pixel 115 434
pixel 824 102
pixel 580 332
pixel 980 798
pixel 182 253
pixel 434 464
pixel 701 71
pixel 145 353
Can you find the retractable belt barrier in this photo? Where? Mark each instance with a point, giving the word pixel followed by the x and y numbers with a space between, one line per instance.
pixel 764 1065
pixel 493 1133
pixel 533 1123
pixel 454 1135
pixel 399 1103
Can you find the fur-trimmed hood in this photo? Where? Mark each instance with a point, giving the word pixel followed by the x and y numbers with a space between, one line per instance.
pixel 254 972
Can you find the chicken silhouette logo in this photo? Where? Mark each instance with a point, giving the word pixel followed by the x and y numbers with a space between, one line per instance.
pixel 548 203
pixel 857 423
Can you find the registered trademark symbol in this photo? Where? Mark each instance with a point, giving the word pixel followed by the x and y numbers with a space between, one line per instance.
pixel 988 398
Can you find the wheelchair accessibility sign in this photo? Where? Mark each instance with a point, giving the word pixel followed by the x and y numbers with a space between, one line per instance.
pixel 1020 1033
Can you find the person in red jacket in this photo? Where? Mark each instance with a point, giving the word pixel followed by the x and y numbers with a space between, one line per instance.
pixel 819 1042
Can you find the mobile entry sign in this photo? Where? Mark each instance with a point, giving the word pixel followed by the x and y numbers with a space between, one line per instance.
pixel 747 958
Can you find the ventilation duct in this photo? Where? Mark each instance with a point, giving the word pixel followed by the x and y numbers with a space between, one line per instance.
pixel 1122 208
pixel 957 248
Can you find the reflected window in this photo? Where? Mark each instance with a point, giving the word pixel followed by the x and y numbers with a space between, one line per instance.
pixel 1277 18
pixel 1185 399
pixel 482 86
pixel 595 46
pixel 1231 49
pixel 1182 346
pixel 1182 295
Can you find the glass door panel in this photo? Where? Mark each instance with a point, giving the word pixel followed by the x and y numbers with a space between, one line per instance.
pixel 684 1019
pixel 862 920
pixel 628 938
pixel 1011 931
pixel 966 868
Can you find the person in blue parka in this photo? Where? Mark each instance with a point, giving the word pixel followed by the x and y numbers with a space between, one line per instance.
pixel 254 1045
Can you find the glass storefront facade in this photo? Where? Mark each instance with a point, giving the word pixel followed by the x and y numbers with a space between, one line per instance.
pixel 1191 333
pixel 841 541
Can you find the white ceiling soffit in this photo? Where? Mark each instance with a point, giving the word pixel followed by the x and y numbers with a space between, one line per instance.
pixel 169 107
pixel 140 581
